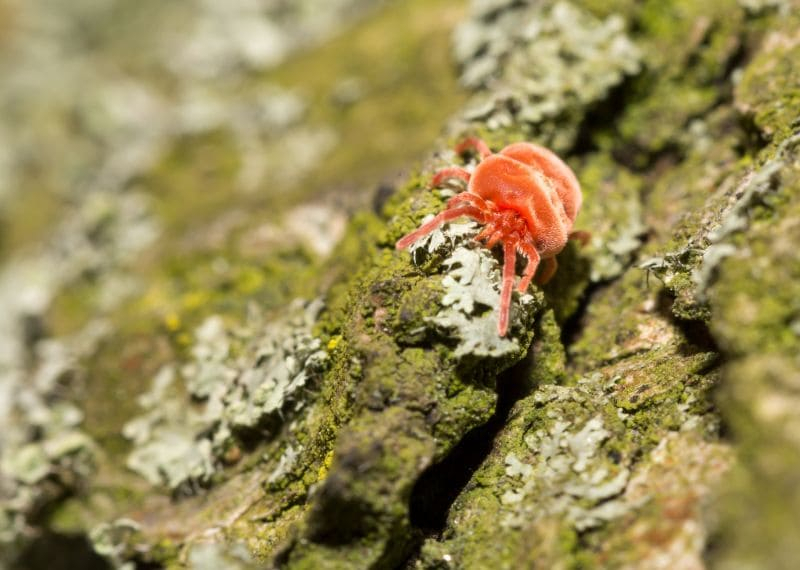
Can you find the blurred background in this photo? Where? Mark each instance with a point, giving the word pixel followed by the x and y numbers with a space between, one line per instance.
pixel 174 176
pixel 165 160
pixel 126 124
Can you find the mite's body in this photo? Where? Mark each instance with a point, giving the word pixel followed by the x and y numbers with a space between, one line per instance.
pixel 526 197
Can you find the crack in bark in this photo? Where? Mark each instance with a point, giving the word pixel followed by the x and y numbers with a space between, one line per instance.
pixel 439 486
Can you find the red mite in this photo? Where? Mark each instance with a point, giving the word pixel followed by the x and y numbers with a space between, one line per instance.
pixel 527 199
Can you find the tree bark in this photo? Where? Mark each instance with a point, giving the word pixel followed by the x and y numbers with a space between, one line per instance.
pixel 642 411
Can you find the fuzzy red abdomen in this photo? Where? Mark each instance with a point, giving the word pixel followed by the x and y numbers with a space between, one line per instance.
pixel 554 169
pixel 512 184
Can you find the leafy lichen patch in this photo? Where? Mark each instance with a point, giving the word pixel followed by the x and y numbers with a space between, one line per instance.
pixel 690 270
pixel 177 443
pixel 471 284
pixel 572 462
pixel 538 67
pixel 565 450
pixel 112 540
pixel 45 454
pixel 472 281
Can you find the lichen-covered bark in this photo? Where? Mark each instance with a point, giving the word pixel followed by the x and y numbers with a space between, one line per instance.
pixel 641 413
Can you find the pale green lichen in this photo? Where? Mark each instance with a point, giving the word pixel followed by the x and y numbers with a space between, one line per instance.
pixel 213 556
pixel 166 450
pixel 565 474
pixel 45 453
pixel 112 541
pixel 177 444
pixel 471 302
pixel 472 283
pixel 689 271
pixel 536 64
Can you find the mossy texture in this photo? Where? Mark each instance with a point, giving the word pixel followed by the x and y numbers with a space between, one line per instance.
pixel 254 376
pixel 755 316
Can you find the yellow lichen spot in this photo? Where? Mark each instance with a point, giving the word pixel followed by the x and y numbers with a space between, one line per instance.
pixel 154 298
pixel 172 321
pixel 249 280
pixel 195 299
pixel 326 465
pixel 334 342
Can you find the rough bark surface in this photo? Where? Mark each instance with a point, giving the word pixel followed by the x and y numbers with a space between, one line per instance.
pixel 219 360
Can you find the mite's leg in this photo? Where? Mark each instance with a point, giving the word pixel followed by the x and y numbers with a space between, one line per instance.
pixel 488 233
pixel 530 253
pixel 549 267
pixel 493 239
pixel 580 235
pixel 509 260
pixel 476 144
pixel 447 173
pixel 471 199
pixel 437 221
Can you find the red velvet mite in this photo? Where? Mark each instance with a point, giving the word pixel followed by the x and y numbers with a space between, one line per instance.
pixel 527 199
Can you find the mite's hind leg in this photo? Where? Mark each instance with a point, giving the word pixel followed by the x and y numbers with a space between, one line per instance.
pixel 448 173
pixel 476 144
pixel 549 267
pixel 580 236
pixel 530 253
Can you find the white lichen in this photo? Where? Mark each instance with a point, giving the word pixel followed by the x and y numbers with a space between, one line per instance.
pixel 181 438
pixel 566 473
pixel 713 242
pixel 43 450
pixel 112 541
pixel 216 555
pixel 533 62
pixel 471 302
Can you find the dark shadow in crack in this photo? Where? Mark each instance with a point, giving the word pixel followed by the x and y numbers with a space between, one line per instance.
pixel 439 485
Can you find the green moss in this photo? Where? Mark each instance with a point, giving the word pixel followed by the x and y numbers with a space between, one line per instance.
pixel 194 181
pixel 502 522
pixel 655 381
pixel 613 333
pixel 768 92
pixel 548 353
pixel 687 46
